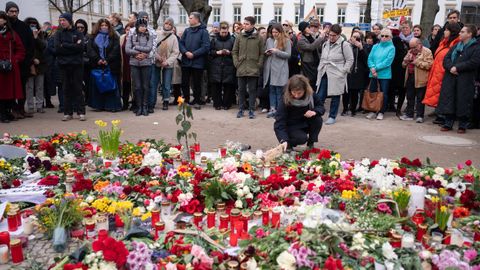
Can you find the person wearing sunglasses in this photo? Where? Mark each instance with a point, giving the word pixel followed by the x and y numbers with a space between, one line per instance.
pixel 379 62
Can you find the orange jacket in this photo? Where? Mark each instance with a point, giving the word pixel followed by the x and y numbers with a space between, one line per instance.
pixel 435 77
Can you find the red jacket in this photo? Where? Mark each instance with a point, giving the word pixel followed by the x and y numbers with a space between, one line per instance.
pixel 10 83
pixel 435 77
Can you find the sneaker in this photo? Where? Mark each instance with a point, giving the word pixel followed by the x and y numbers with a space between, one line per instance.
pixel 82 117
pixel 419 120
pixel 240 114
pixel 271 114
pixel 251 115
pixel 67 118
pixel 406 118
pixel 330 121
pixel 380 116
pixel 264 110
pixel 370 115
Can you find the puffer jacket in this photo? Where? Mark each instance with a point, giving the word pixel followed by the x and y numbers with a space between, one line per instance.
pixel 139 43
pixel 437 72
pixel 248 53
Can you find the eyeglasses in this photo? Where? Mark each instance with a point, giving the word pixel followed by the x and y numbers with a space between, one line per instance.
pixel 80 27
pixel 285 24
pixel 384 36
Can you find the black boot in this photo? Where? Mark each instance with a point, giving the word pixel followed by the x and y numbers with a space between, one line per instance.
pixel 138 111
pixel 145 110
pixel 165 105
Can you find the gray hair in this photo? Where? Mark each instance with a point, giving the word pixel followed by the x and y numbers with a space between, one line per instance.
pixel 197 15
pixel 170 20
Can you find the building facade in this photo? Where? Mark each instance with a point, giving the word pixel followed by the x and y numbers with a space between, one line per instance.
pixel 334 11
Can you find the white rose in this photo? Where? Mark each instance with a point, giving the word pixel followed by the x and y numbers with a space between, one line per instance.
pixel 239 193
pixel 439 170
pixel 246 189
pixel 387 251
pixel 41 154
pixel 249 196
pixel 238 204
pixel 90 199
pixel 437 177
pixel 286 261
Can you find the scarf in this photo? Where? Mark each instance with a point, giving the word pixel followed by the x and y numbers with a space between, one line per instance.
pixel 302 102
pixel 460 47
pixel 249 33
pixel 406 38
pixel 102 42
pixel 3 30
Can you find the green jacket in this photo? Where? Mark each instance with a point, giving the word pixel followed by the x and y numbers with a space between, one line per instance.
pixel 248 53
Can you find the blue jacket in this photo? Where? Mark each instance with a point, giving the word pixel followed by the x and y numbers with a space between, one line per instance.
pixel 197 41
pixel 381 58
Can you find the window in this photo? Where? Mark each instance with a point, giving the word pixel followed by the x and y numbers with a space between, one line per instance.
pixel 237 14
pixel 277 14
pixel 182 15
pixel 297 14
pixel 96 6
pixel 109 7
pixel 216 14
pixel 362 14
pixel 120 7
pixel 257 13
pixel 341 15
pixel 165 12
pixel 321 14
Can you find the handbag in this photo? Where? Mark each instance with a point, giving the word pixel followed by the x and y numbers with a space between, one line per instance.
pixel 6 65
pixel 372 101
pixel 104 80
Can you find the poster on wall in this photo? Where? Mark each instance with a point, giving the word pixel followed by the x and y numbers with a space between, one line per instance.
pixel 397 15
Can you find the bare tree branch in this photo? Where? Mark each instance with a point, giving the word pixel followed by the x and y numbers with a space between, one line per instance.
pixel 55 5
pixel 82 6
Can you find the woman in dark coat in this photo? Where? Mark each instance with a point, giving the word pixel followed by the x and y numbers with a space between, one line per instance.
pixel 299 116
pixel 458 86
pixel 11 49
pixel 221 69
pixel 357 79
pixel 82 27
pixel 104 52
pixel 397 85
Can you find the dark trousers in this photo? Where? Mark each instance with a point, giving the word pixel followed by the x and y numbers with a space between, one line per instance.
pixel 414 98
pixel 401 94
pixel 247 84
pixel 141 78
pixel 323 93
pixel 72 77
pixel 222 94
pixel 177 91
pixel 86 82
pixel 197 78
pixel 308 134
pixel 463 122
pixel 350 100
pixel 126 91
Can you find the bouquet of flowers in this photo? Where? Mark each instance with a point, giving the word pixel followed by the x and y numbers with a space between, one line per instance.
pixel 109 139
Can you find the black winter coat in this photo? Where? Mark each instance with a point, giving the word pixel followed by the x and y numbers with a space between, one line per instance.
pixel 398 72
pixel 292 118
pixel 40 43
pixel 358 78
pixel 112 54
pixel 220 67
pixel 457 92
pixel 69 47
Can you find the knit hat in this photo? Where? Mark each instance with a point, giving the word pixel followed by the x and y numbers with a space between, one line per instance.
pixel 216 24
pixel 272 22
pixel 327 24
pixel 140 21
pixel 10 5
pixel 170 20
pixel 142 14
pixel 302 26
pixel 67 16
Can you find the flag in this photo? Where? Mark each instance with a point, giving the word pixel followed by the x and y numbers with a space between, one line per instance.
pixel 311 15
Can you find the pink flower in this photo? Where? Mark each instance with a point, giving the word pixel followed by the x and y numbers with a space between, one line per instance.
pixel 470 255
pixel 196 251
pixel 260 233
pixel 384 208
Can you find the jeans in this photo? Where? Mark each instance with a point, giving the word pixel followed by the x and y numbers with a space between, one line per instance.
pixel 322 91
pixel 154 80
pixel 308 134
pixel 276 93
pixel 72 77
pixel 414 98
pixel 197 76
pixel 167 74
pixel 222 94
pixel 384 88
pixel 141 78
pixel 34 89
pixel 247 84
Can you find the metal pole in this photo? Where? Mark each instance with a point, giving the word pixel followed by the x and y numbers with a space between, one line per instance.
pixel 302 10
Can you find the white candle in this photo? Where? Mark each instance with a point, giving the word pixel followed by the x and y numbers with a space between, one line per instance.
pixel 407 240
pixel 3 254
pixel 27 226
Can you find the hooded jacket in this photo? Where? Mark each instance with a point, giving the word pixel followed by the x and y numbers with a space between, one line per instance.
pixel 69 46
pixel 197 41
pixel 248 54
pixel 40 43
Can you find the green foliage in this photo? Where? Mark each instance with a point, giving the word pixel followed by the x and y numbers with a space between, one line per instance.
pixel 216 191
pixel 182 120
pixel 63 212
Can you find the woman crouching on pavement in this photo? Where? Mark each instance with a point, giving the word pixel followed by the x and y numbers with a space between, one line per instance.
pixel 299 115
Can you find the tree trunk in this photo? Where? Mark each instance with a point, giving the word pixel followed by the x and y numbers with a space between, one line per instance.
pixel 200 6
pixel 429 11
pixel 368 12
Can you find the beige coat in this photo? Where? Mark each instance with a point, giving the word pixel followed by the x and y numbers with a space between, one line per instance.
pixel 336 65
pixel 423 63
pixel 168 49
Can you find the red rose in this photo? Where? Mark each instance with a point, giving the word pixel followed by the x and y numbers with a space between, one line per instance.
pixel 217 254
pixel 373 163
pixel 175 195
pixel 50 180
pixel 113 250
pixel 127 190
pixel 468 163
pixel 401 172
pixel 469 178
pixel 71 266
pixel 288 201
pixel 16 183
pixel 417 163
pixel 324 154
pixel 192 206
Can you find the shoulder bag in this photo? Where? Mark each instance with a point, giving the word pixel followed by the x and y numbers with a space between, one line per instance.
pixel 372 101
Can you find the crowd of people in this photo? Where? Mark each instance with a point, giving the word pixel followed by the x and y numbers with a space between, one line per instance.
pixel 118 67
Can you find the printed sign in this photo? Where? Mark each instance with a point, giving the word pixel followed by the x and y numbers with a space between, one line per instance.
pixel 396 13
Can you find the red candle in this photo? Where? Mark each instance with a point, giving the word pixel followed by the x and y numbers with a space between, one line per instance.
pixel 224 221
pixel 5 238
pixel 210 219
pixel 233 239
pixel 265 216
pixel 12 221
pixel 16 250
pixel 421 230
pixel 197 219
pixel 78 234
pixel 223 152
pixel 476 236
pixel 396 243
pixel 234 217
pixel 102 234
pixel 19 218
pixel 418 218
pixel 155 217
pixel 90 228
pixel 192 153
pixel 239 227
pixel 197 147
pixel 245 219
pixel 275 219
pixel 159 227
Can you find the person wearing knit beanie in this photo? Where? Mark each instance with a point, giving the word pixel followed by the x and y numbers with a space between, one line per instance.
pixel 67 16
pixel 10 5
pixel 302 26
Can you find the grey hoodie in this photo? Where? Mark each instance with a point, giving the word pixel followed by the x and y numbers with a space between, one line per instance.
pixel 139 43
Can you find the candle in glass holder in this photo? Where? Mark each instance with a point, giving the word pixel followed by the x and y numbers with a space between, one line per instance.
pixel 159 227
pixel 90 228
pixel 15 208
pixel 275 218
pixel 418 218
pixel 196 147
pixel 421 230
pixel 266 171
pixel 102 234
pixel 223 151
pixel 265 216
pixel 224 221
pixel 234 217
pixel 233 238
pixel 257 218
pixel 28 226
pixel 16 250
pixel 102 221
pixel 192 153
pixel 197 219
pixel 3 254
pixel 220 208
pixel 211 218
pixel 165 209
pixel 12 221
pixel 155 216
pixel 407 240
pixel 232 265
pixel 5 238
pixel 245 219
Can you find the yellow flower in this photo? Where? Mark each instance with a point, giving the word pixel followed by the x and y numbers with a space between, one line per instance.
pixel 116 122
pixel 442 191
pixel 435 199
pixel 443 208
pixel 101 123
pixel 338 156
pixel 146 216
pixel 84 132
pixel 137 212
pixel 349 194
pixel 180 100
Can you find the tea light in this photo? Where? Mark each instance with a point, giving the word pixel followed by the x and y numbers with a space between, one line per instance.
pixel 275 218
pixel 224 221
pixel 197 219
pixel 407 240
pixel 265 216
pixel 90 228
pixel 234 217
pixel 28 226
pixel 3 254
pixel 155 216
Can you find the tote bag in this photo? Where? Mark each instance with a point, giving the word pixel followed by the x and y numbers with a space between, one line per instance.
pixel 372 101
pixel 104 80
